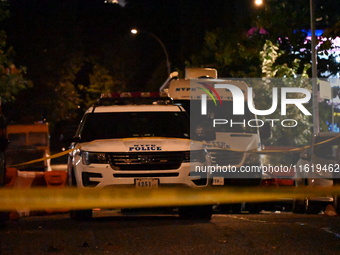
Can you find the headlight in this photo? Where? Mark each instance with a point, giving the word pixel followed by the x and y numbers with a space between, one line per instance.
pixel 94 158
pixel 194 156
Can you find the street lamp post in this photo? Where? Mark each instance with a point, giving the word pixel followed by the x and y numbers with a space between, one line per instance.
pixel 316 124
pixel 135 31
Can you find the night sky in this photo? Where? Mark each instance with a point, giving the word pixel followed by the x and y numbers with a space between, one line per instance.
pixel 64 40
pixel 37 27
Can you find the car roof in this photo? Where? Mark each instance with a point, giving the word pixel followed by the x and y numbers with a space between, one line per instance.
pixel 137 108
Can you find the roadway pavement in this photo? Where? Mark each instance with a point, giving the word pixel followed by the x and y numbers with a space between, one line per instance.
pixel 114 232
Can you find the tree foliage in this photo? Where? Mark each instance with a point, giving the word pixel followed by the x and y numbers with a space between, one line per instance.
pixel 273 46
pixel 233 54
pixel 100 81
pixel 12 79
pixel 281 75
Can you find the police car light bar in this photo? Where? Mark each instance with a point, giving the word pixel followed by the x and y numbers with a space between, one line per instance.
pixel 134 95
pixel 134 98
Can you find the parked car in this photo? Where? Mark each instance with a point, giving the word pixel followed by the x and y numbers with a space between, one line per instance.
pixel 318 167
pixel 28 142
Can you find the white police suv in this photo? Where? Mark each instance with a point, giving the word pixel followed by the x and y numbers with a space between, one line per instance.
pixel 136 139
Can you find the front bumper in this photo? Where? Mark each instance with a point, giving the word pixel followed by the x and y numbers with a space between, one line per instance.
pixel 101 175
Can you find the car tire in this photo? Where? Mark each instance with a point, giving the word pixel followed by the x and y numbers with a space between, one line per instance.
pixel 230 208
pixel 78 215
pixel 203 212
pixel 299 206
pixel 254 208
pixel 336 204
pixel 236 208
pixel 336 201
pixel 81 215
pixel 315 207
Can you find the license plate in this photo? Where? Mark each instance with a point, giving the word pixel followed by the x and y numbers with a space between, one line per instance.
pixel 146 183
pixel 218 181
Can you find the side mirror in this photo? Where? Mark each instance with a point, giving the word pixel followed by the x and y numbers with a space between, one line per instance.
pixel 265 131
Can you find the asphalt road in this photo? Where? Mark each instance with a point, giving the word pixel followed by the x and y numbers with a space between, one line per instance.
pixel 112 232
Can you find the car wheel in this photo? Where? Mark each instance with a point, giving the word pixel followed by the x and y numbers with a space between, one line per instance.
pixel 203 212
pixel 81 215
pixel 336 203
pixel 254 208
pixel 231 208
pixel 299 206
pixel 236 208
pixel 315 207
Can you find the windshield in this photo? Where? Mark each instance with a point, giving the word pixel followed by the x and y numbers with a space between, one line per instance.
pixel 134 124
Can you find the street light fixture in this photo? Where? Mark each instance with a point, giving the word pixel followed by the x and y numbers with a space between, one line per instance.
pixel 135 31
pixel 258 2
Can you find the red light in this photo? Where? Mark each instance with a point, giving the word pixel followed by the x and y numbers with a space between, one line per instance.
pixel 277 182
pixel 136 94
pixel 269 182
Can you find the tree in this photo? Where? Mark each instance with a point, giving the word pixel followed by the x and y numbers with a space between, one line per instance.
pixel 329 63
pixel 278 31
pixel 288 77
pixel 11 78
pixel 56 40
pixel 235 51
pixel 232 53
pixel 101 81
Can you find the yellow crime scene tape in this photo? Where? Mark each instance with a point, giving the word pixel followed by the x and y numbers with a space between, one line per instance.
pixel 123 197
pixel 57 155
pixel 249 151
